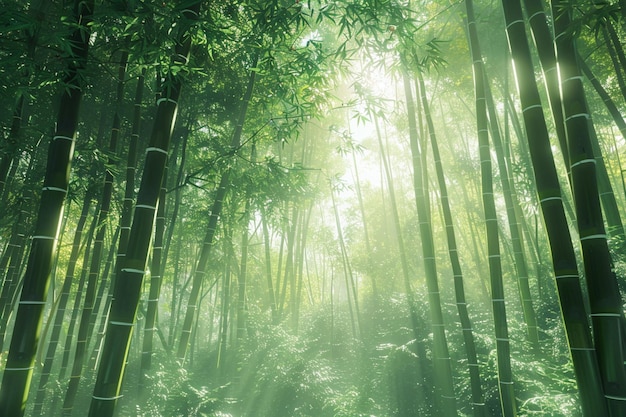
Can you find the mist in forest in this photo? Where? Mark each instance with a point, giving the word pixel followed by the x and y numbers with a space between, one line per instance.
pixel 285 208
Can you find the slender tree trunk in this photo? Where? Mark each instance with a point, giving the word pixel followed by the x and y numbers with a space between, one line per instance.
pixel 78 296
pixel 102 317
pixel 442 362
pixel 355 318
pixel 241 278
pixel 395 216
pixel 168 242
pixel 301 261
pixel 268 267
pixel 542 36
pixel 289 257
pixel 131 168
pixel 359 194
pixel 98 248
pixel 517 243
pixel 192 302
pixel 127 203
pixel 62 305
pixel 245 241
pixel 413 313
pixel 156 280
pixel 281 253
pixel 607 197
pixel 16 249
pixel 478 401
pixel 610 208
pixel 505 377
pixel 223 334
pixel 127 289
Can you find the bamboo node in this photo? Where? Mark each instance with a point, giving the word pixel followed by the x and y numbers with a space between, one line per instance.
pixel 574 116
pixel 605 315
pixel 121 323
pixel 514 23
pixel 19 369
pixel 166 99
pixel 117 397
pixel 145 206
pixel 155 149
pixel 534 106
pixel 133 271
pixel 58 189
pixel 596 236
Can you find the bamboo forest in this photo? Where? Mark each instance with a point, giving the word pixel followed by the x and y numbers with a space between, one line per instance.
pixel 312 208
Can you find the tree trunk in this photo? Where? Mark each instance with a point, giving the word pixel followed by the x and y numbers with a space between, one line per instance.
pixel 604 296
pixel 127 289
pixel 15 257
pixel 548 188
pixel 355 319
pixel 62 305
pixel 517 243
pixel 441 355
pixel 20 361
pixel 156 279
pixel 245 240
pixel 192 302
pixel 478 399
pixel 84 335
pixel 268 267
pixel 412 305
pixel 505 377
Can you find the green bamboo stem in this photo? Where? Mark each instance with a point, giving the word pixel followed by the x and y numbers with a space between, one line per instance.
pixel 478 399
pixel 508 191
pixel 442 362
pixel 505 376
pixel 604 295
pixel 156 279
pixel 128 283
pixel 548 187
pixel 203 259
pixel 20 361
pixel 62 306
pixel 84 334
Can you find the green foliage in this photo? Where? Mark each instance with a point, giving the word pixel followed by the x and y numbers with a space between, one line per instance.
pixel 174 392
pixel 323 372
pixel 307 86
pixel 282 376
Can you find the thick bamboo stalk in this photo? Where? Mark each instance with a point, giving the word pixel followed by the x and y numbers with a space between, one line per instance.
pixel 62 305
pixel 128 283
pixel 604 295
pixel 20 362
pixel 563 256
pixel 96 257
